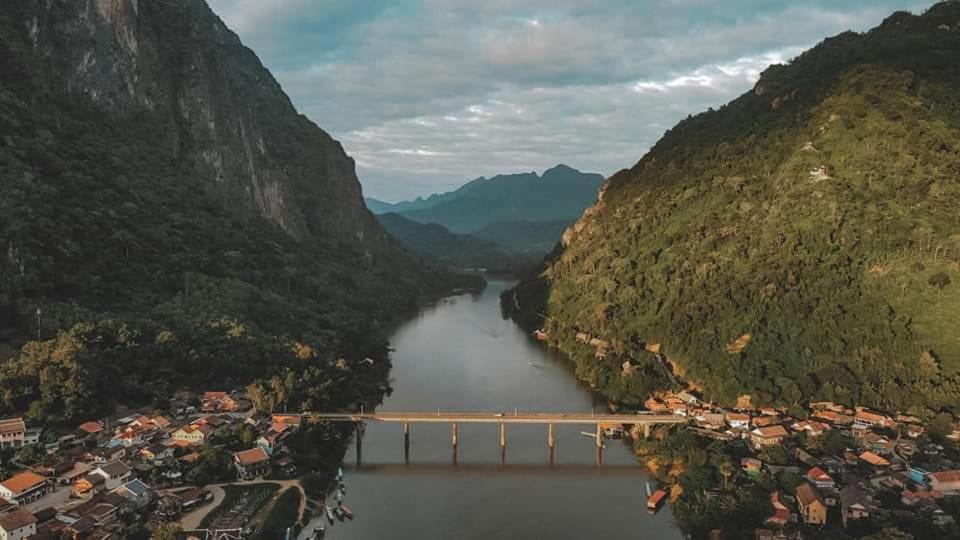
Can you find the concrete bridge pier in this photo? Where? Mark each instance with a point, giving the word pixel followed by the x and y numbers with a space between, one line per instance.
pixel 359 436
pixel 406 442
pixel 599 439
pixel 646 431
pixel 453 434
pixel 550 439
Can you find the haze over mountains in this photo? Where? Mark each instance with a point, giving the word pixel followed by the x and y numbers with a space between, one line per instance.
pixel 521 214
pixel 800 242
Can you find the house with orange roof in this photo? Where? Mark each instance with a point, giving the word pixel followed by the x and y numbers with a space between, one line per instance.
pixel 765 437
pixel 738 420
pixel 866 417
pixel 947 482
pixel 873 461
pixel 24 488
pixel 193 434
pixel 812 508
pixel 781 514
pixel 251 463
pixel 91 428
pixel 820 478
pixel 17 525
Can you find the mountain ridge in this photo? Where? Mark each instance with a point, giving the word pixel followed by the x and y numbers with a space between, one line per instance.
pixel 782 245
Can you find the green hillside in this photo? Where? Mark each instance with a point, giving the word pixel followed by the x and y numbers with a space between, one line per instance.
pixel 802 241
pixel 459 250
pixel 521 236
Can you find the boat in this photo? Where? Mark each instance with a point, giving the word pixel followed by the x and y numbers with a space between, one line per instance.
pixel 655 500
pixel 339 513
pixel 339 474
pixel 339 496
pixel 541 335
pixel 329 514
pixel 319 533
pixel 649 492
pixel 347 512
pixel 343 488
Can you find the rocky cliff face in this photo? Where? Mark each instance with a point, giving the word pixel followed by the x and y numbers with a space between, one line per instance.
pixel 220 113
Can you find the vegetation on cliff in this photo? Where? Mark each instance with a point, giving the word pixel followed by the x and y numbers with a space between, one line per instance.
pixel 125 258
pixel 801 242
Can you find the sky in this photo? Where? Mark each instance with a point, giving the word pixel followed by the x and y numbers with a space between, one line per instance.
pixel 428 94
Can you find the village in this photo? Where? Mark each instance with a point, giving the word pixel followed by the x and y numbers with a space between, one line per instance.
pixel 846 466
pixel 92 481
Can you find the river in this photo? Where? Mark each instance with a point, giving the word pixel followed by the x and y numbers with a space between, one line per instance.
pixel 461 355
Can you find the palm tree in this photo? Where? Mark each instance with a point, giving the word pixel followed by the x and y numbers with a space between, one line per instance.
pixel 726 470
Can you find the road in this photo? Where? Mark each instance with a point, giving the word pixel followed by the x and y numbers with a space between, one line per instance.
pixel 191 520
pixel 496 418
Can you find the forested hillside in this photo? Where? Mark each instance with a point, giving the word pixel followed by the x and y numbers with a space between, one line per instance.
pixel 167 215
pixel 801 242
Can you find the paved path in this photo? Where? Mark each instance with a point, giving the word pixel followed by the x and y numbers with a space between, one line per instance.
pixel 192 520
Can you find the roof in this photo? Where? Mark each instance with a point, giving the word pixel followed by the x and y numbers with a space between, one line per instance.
pixel 874 459
pixel 807 494
pixel 22 482
pixel 817 473
pixel 12 521
pixel 12 425
pixel 214 395
pixel 134 487
pixel 252 456
pixel 946 476
pixel 91 427
pixel 161 421
pixel 770 431
pixel 115 468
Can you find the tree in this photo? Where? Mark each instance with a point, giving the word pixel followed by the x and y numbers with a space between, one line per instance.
pixel 939 280
pixel 941 426
pixel 167 531
pixel 726 469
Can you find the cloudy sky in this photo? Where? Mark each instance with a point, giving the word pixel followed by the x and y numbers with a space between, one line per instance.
pixel 426 94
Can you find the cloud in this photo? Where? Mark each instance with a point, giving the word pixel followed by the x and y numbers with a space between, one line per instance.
pixel 426 94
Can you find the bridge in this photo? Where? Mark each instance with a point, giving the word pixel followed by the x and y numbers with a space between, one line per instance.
pixel 598 421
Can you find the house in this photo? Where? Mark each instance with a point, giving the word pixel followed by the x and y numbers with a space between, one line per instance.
pixel 115 474
pixel 17 525
pixel 218 402
pixel 106 455
pixel 162 422
pixel 91 428
pixel 193 434
pixel 77 470
pixel 866 417
pixel 811 427
pixel 820 478
pixel 88 484
pixel 24 488
pixel 136 493
pixel 656 406
pixel 766 437
pixel 876 463
pixel 764 421
pixel 854 504
pixel 157 452
pixel 14 434
pixel 738 420
pixel 251 463
pixel 293 421
pixel 751 467
pixel 947 482
pixel 812 508
pixel 781 514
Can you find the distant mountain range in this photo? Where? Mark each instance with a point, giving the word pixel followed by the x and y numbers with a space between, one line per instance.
pixel 522 213
pixel 462 250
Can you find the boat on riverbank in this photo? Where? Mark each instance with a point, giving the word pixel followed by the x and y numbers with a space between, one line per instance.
pixel 347 511
pixel 655 500
pixel 329 512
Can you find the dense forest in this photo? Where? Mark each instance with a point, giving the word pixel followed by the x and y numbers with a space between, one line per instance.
pixel 801 242
pixel 126 272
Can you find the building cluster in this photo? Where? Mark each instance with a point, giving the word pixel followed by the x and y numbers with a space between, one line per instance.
pixel 107 468
pixel 889 458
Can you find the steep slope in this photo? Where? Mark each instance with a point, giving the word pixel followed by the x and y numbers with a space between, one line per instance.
pixel 560 193
pixel 799 242
pixel 459 250
pixel 535 237
pixel 159 188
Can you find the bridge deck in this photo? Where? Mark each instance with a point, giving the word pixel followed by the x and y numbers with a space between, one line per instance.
pixel 497 418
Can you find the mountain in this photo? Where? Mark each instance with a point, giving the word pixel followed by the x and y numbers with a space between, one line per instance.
pixel 167 214
pixel 534 237
pixel 800 242
pixel 460 250
pixel 561 193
